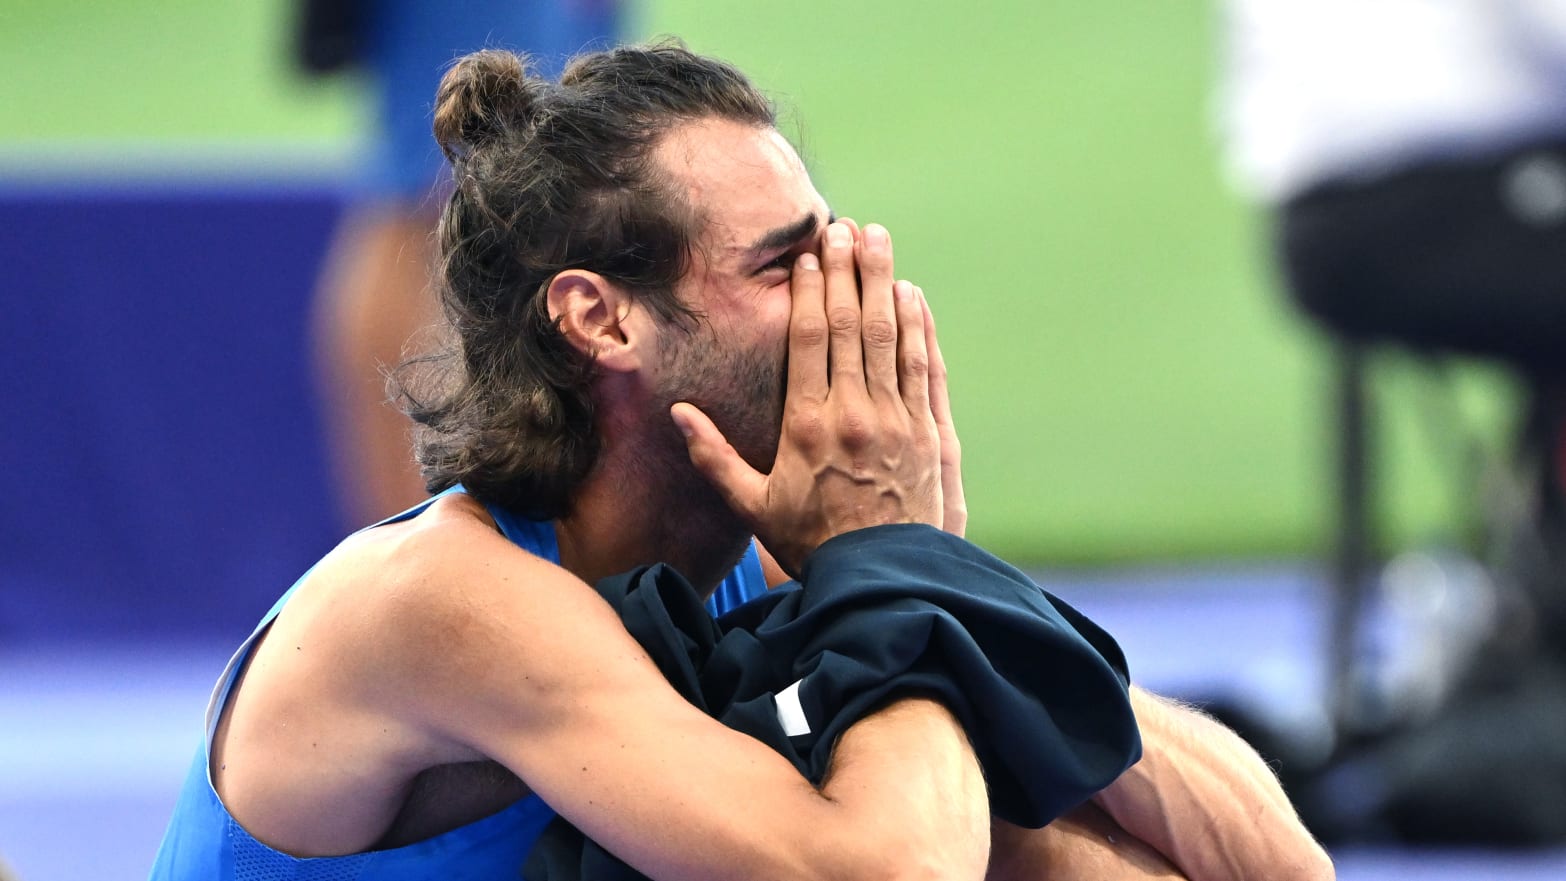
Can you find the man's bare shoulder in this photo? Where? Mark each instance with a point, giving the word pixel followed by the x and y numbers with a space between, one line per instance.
pixel 446 527
pixel 453 542
pixel 415 598
pixel 404 619
pixel 371 667
pixel 443 624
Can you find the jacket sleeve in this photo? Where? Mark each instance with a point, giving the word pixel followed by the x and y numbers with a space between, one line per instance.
pixel 907 609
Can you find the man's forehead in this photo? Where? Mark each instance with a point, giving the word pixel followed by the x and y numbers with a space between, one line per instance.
pixel 694 147
pixel 742 181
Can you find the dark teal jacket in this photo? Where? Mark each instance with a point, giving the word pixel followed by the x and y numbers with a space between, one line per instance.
pixel 878 614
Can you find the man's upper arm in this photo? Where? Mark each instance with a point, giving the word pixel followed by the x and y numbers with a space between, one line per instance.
pixel 522 662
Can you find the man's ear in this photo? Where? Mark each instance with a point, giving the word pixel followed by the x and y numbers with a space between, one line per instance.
pixel 597 317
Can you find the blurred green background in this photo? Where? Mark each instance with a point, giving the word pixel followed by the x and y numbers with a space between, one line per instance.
pixel 1128 382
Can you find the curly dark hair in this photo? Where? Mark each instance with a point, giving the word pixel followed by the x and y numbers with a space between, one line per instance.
pixel 549 177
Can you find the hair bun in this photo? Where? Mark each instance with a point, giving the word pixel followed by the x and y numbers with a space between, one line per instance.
pixel 480 97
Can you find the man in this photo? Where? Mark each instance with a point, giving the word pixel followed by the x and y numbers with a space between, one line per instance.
pixel 631 258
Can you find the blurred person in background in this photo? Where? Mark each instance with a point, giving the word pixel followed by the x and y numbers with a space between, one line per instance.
pixel 373 293
pixel 1413 154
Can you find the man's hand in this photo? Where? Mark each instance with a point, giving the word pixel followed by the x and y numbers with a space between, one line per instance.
pixel 954 517
pixel 860 444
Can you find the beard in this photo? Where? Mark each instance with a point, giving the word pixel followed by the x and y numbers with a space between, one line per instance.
pixel 741 390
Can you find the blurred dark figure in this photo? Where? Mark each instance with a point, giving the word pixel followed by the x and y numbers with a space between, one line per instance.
pixel 372 298
pixel 1414 154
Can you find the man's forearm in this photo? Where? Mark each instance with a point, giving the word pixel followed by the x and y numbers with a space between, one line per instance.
pixel 910 772
pixel 1084 845
pixel 1203 798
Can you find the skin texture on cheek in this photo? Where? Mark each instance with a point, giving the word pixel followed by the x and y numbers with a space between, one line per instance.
pixel 739 386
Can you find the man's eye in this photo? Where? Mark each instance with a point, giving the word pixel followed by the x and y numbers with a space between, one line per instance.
pixel 783 261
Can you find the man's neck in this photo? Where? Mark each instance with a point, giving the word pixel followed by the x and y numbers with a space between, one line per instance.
pixel 633 512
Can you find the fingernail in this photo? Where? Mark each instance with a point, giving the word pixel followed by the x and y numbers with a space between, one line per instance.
pixel 838 236
pixel 903 291
pixel 808 261
pixel 875 236
pixel 680 422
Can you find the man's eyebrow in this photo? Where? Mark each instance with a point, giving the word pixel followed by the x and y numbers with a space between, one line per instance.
pixel 787 236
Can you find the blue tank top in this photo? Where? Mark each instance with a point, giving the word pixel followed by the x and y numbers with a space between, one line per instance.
pixel 204 841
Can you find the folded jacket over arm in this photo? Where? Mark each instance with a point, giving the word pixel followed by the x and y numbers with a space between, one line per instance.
pixel 882 613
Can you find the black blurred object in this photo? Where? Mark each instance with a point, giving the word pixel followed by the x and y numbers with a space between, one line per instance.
pixel 1490 769
pixel 330 34
pixel 1454 256
pixel 1464 257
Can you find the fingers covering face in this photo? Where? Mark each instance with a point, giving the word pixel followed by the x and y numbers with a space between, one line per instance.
pixel 879 324
pixel 913 357
pixel 807 337
pixel 940 398
pixel 853 329
pixel 843 310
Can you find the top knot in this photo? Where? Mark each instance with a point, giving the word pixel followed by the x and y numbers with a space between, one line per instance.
pixel 481 96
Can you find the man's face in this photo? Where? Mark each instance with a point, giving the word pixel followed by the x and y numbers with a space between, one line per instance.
pixel 757 211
